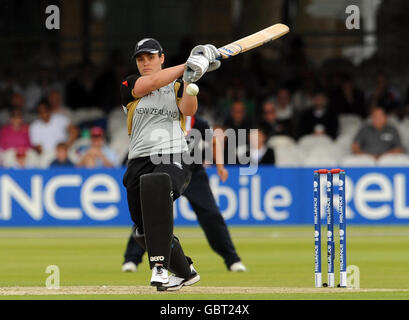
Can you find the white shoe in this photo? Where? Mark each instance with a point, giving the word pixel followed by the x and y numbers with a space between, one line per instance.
pixel 238 267
pixel 159 276
pixel 176 283
pixel 129 267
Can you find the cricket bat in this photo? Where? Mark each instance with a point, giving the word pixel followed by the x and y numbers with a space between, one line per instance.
pixel 245 44
pixel 254 40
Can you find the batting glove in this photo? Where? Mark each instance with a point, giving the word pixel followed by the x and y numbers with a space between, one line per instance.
pixel 195 67
pixel 214 65
pixel 211 53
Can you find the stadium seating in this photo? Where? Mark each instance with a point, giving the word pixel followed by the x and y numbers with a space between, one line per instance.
pixel 403 128
pixel 308 142
pixel 10 161
pixel 281 141
pixel 321 156
pixel 343 144
pixel 349 124
pixel 116 121
pixel 393 160
pixel 46 158
pixel 358 160
pixel 119 143
pixel 287 156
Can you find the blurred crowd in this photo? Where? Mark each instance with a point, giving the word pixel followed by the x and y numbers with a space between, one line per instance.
pixel 49 121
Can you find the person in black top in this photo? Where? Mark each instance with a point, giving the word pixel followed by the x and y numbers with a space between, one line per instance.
pixel 203 203
pixel 269 122
pixel 349 99
pixel 320 119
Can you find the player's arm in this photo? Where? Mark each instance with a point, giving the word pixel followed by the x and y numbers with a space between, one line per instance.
pixel 358 141
pixel 73 133
pixel 395 150
pixel 218 154
pixel 196 66
pixel 147 84
pixel 187 104
pixel 356 148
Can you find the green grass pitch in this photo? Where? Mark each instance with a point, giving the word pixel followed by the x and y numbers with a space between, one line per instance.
pixel 280 263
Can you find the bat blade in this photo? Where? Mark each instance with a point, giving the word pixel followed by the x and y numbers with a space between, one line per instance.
pixel 254 40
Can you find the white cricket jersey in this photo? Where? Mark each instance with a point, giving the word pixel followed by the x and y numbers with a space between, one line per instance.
pixel 155 123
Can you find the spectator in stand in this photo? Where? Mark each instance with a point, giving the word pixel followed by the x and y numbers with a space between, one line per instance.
pixel 383 94
pixel 285 111
pixel 285 108
pixel 15 133
pixel 80 91
pixel 61 159
pixel 98 154
pixel 238 118
pixel 378 137
pixel 50 129
pixel 56 104
pixel 320 119
pixel 8 87
pixel 302 98
pixel 237 91
pixel 236 129
pixel 348 99
pixel 21 159
pixel 38 90
pixel 17 101
pixel 269 121
pixel 259 152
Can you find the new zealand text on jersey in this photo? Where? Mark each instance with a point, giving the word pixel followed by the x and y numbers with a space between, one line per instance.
pixel 156 111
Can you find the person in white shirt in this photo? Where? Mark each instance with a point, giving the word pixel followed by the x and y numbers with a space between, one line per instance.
pixel 50 129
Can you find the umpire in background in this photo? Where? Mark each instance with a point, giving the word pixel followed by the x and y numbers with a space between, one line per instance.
pixel 204 205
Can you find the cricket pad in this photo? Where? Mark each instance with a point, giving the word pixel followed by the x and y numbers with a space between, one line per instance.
pixel 157 216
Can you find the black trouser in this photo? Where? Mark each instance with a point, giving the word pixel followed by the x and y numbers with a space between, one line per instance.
pixel 148 186
pixel 179 173
pixel 209 217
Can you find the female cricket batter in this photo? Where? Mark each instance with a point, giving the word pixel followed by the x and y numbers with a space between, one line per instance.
pixel 155 103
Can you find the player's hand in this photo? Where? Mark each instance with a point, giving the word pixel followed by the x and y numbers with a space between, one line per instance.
pixel 222 173
pixel 195 67
pixel 211 53
pixel 214 65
